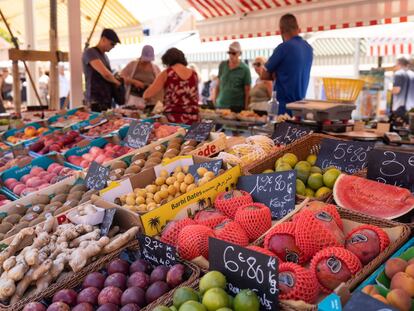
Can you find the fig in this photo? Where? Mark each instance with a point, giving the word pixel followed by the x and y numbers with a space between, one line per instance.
pixel 140 265
pixel 156 290
pixel 34 306
pixel 139 279
pixel 67 296
pixel 118 265
pixel 110 294
pixel 134 295
pixel 116 279
pixel 175 276
pixel 84 306
pixel 159 274
pixel 58 306
pixel 130 307
pixel 89 295
pixel 108 307
pixel 94 279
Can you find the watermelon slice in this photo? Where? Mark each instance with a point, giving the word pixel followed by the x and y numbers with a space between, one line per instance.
pixel 371 197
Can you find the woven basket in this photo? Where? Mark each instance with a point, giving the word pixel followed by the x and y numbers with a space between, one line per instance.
pixel 342 90
pixel 309 144
pixel 370 267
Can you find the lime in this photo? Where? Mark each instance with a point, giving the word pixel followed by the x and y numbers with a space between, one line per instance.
pixel 302 169
pixel 322 192
pixel 315 169
pixel 290 158
pixel 278 161
pixel 330 177
pixel 215 298
pixel 231 299
pixel 309 193
pixel 328 168
pixel 268 171
pixel 212 279
pixel 172 308
pixel 315 181
pixel 192 306
pixel 300 187
pixel 184 294
pixel 283 166
pixel 161 308
pixel 224 309
pixel 311 159
pixel 246 300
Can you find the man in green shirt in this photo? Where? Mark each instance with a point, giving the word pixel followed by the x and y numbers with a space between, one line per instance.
pixel 234 81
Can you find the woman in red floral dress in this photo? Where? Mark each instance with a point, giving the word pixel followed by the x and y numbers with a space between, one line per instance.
pixel 180 85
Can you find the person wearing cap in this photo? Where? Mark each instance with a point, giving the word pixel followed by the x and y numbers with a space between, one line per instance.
pixel 290 64
pixel 234 79
pixel 138 75
pixel 98 73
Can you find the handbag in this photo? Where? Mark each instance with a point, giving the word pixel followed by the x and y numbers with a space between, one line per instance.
pixel 118 92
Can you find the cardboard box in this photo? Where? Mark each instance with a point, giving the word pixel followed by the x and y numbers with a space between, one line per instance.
pixel 215 144
pixel 153 221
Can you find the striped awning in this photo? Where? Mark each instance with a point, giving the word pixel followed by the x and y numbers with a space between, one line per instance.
pixel 235 19
pixel 390 46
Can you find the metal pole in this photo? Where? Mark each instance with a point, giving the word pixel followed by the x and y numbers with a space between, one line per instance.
pixel 16 88
pixel 53 73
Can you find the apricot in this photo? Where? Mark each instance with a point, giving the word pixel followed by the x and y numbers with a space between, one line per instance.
pixel 380 298
pixel 410 270
pixel 411 261
pixel 399 299
pixel 394 265
pixel 403 281
pixel 370 290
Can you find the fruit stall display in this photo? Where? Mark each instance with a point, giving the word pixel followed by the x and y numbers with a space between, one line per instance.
pixel 100 150
pixel 38 174
pixel 57 141
pixel 107 127
pixel 42 259
pixel 8 160
pixel 71 117
pixel 323 245
pixel 124 283
pixel 210 294
pixel 28 133
pixel 159 131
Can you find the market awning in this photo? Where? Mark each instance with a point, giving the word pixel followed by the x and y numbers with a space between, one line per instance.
pixel 390 46
pixel 231 19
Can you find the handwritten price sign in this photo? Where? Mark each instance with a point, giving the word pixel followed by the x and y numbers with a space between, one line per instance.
pixel 138 134
pixel 286 133
pixel 97 176
pixel 348 156
pixel 275 190
pixel 157 252
pixel 245 268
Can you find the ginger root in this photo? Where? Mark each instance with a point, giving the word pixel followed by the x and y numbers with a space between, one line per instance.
pixel 94 235
pixel 85 251
pixel 7 288
pixel 120 240
pixel 15 244
pixel 9 263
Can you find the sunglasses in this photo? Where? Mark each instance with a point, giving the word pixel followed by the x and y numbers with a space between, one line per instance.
pixel 257 64
pixel 232 53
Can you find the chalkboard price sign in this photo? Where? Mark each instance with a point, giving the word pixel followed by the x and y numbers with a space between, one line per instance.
pixel 157 252
pixel 107 221
pixel 275 190
pixel 246 269
pixel 392 167
pixel 286 133
pixel 19 150
pixel 97 176
pixel 199 131
pixel 213 166
pixel 361 301
pixel 348 156
pixel 138 134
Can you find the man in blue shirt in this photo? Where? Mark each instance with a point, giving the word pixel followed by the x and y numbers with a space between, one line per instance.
pixel 290 64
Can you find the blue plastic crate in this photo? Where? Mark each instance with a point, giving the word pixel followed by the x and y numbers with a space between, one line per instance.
pixel 25 142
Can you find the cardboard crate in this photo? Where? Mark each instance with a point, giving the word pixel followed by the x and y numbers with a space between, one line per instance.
pixel 153 221
pixel 215 144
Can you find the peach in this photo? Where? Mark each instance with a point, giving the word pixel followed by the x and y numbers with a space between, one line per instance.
pixel 403 281
pixel 57 169
pixel 9 181
pixel 85 163
pixel 45 185
pixel 30 131
pixel 411 261
pixel 394 265
pixel 88 157
pixel 95 150
pixel 380 298
pixel 19 188
pixel 42 174
pixel 100 158
pixel 34 182
pixel 399 299
pixel 25 178
pixel 410 270
pixel 48 177
pixel 36 170
pixel 27 191
pixel 370 290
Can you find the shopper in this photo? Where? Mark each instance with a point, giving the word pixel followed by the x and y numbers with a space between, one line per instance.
pixel 6 86
pixel 138 75
pixel 180 85
pixel 44 87
pixel 63 86
pixel 290 64
pixel 234 81
pixel 403 88
pixel 97 69
pixel 261 92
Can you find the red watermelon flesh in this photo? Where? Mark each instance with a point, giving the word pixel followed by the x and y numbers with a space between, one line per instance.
pixel 371 197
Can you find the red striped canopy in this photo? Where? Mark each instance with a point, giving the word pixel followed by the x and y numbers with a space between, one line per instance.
pixel 234 19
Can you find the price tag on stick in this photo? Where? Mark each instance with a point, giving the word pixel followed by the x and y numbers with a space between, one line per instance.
pixel 275 190
pixel 348 156
pixel 97 176
pixel 246 269
pixel 391 167
pixel 138 134
pixel 107 221
pixel 199 131
pixel 212 166
pixel 157 252
pixel 286 133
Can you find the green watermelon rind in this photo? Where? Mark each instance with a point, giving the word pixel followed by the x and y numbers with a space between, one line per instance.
pixel 341 186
